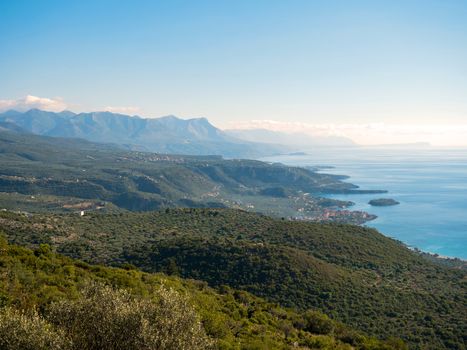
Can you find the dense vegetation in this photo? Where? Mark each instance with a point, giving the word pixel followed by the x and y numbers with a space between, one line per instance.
pixel 48 301
pixel 103 318
pixel 353 274
pixel 42 173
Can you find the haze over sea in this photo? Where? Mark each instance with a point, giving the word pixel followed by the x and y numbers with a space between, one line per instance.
pixel 430 184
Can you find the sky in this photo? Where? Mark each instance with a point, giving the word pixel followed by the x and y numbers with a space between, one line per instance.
pixel 386 71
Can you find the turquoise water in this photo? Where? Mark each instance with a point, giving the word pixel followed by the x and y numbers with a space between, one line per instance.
pixel 431 186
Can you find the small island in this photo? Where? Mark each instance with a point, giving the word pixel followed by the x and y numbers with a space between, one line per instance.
pixel 383 202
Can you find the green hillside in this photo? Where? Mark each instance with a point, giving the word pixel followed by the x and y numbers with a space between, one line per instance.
pixel 354 274
pixel 232 319
pixel 54 174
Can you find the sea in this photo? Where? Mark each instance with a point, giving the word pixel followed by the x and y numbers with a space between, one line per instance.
pixel 429 183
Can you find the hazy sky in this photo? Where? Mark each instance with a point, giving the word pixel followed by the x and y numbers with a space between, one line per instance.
pixel 338 65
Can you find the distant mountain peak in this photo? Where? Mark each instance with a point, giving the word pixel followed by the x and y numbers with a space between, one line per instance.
pixel 67 113
pixel 169 134
pixel 170 116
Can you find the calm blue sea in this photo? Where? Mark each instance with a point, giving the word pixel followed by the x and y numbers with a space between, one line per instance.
pixel 430 184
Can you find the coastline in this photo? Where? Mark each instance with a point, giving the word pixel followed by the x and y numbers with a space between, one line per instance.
pixel 429 184
pixel 451 261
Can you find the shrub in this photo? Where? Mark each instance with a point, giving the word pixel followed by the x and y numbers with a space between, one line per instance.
pixel 318 323
pixel 21 331
pixel 108 319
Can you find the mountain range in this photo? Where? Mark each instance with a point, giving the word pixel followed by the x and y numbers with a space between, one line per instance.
pixel 168 134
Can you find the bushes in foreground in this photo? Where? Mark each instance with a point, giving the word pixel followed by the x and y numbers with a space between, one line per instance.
pixel 29 331
pixel 106 319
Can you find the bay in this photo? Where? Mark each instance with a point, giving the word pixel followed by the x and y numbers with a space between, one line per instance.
pixel 430 184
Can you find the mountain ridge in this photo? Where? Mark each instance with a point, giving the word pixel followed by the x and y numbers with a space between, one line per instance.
pixel 168 134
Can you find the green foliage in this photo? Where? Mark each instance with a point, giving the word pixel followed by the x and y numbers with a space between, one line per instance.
pixel 318 323
pixel 66 292
pixel 103 318
pixel 22 331
pixel 108 319
pixel 353 274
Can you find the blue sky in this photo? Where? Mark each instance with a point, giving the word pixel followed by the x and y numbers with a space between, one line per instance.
pixel 304 62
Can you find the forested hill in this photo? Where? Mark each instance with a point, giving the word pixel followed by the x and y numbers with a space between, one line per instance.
pixel 46 173
pixel 232 319
pixel 354 274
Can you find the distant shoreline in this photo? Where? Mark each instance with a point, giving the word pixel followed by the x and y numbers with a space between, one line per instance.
pixel 452 261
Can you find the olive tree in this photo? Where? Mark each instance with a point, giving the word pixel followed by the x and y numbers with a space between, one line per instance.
pixel 29 331
pixel 109 319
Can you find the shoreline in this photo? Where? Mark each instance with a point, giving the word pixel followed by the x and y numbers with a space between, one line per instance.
pixel 455 261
